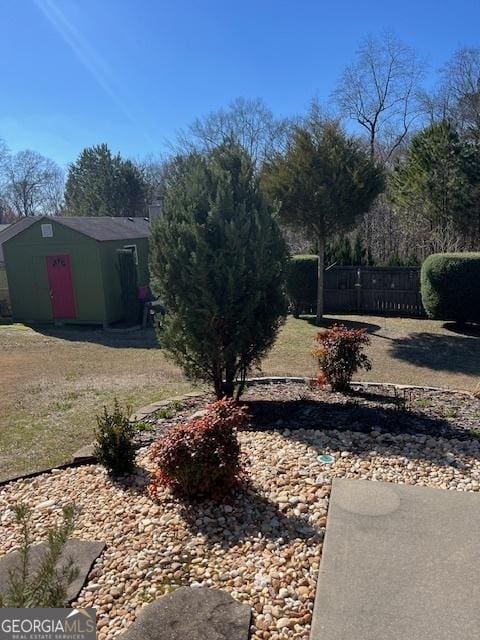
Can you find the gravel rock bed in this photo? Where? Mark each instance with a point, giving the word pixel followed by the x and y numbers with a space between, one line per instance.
pixel 263 544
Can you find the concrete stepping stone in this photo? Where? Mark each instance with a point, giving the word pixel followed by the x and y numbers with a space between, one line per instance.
pixel 85 454
pixel 399 563
pixel 82 552
pixel 192 614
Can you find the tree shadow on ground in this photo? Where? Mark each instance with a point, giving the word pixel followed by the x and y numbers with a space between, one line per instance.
pixel 245 514
pixel 394 401
pixel 389 421
pixel 350 324
pixel 472 330
pixel 457 354
pixel 135 482
pixel 138 339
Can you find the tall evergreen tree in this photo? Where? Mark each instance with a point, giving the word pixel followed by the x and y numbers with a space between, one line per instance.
pixel 102 184
pixel 437 178
pixel 472 170
pixel 217 262
pixel 324 181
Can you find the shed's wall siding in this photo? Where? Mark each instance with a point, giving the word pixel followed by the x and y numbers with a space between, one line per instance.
pixel 4 294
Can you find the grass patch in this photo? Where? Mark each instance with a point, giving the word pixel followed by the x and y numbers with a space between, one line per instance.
pixel 144 426
pixel 168 412
pixel 450 412
pixel 13 326
pixel 474 433
pixel 423 403
pixel 54 385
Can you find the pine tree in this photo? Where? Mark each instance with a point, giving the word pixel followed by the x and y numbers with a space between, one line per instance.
pixel 47 585
pixel 434 180
pixel 217 263
pixel 102 184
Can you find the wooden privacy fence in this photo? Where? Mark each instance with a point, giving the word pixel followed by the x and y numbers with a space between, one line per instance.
pixel 375 290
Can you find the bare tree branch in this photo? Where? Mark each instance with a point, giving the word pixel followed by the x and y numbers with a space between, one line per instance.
pixel 379 91
pixel 33 184
pixel 248 122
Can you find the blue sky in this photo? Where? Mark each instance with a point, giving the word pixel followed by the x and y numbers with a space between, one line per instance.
pixel 131 72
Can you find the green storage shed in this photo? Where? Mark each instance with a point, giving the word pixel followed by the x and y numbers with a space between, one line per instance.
pixel 64 270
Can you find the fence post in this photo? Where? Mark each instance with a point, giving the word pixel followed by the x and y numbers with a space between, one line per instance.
pixel 358 286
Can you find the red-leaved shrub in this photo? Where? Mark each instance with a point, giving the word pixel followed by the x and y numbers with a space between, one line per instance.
pixel 201 458
pixel 339 353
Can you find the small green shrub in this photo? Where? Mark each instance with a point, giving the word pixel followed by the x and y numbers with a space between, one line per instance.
pixel 201 458
pixel 450 285
pixel 114 435
pixel 339 353
pixel 47 586
pixel 301 283
pixel 165 413
pixel 144 426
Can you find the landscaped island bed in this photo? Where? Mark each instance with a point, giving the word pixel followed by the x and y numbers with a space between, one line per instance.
pixel 55 380
pixel 263 544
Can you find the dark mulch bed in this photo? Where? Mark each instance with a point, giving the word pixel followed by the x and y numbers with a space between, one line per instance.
pixel 379 408
pixel 366 408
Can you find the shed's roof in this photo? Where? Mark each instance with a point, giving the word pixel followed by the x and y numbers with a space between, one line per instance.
pixel 10 230
pixel 105 228
pixel 100 228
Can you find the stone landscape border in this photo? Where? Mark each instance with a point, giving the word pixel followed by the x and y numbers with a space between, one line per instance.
pixel 357 383
pixel 85 455
pixel 33 474
pixel 150 409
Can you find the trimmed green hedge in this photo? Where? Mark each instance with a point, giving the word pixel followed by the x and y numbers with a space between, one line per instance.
pixel 301 283
pixel 451 286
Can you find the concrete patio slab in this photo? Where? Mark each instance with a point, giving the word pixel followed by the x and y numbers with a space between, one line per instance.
pixel 399 563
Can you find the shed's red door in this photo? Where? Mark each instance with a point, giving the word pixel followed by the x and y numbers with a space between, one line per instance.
pixel 61 287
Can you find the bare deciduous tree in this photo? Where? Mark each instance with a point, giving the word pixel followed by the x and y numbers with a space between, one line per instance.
pixel 436 105
pixel 5 211
pixel 153 169
pixel 456 97
pixel 461 82
pixel 250 123
pixel 3 154
pixel 379 91
pixel 33 184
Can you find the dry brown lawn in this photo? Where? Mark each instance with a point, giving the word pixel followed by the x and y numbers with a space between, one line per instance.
pixel 55 380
